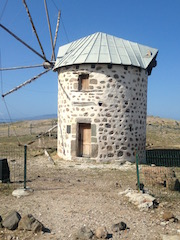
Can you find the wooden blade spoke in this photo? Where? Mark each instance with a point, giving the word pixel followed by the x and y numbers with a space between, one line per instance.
pixel 56 33
pixel 49 25
pixel 20 67
pixel 34 29
pixel 21 41
pixel 25 83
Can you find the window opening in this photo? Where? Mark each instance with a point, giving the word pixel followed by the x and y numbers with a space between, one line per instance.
pixel 68 128
pixel 83 82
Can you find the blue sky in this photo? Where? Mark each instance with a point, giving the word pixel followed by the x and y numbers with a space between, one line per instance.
pixel 152 23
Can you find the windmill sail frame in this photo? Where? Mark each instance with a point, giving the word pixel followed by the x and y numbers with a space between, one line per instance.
pixel 47 64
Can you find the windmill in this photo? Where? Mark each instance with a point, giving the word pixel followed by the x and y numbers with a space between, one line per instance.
pixel 47 64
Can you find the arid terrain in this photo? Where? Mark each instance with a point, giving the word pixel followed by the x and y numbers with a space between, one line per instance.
pixel 163 133
pixel 68 195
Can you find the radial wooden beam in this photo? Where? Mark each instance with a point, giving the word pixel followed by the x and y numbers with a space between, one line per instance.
pixel 56 33
pixel 25 83
pixel 49 25
pixel 21 41
pixel 33 26
pixel 20 67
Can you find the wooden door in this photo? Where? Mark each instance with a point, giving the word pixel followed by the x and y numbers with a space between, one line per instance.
pixel 84 140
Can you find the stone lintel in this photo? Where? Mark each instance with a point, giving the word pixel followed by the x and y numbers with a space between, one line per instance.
pixel 83 120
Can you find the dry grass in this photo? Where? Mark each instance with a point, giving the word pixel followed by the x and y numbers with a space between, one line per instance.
pixel 6 189
pixel 163 133
pixel 27 133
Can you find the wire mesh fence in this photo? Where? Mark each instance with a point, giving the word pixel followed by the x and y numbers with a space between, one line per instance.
pixel 39 136
pixel 15 158
pixel 161 173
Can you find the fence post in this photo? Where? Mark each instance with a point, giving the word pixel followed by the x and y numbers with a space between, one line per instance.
pixel 25 158
pixel 137 171
pixel 8 130
pixel 30 128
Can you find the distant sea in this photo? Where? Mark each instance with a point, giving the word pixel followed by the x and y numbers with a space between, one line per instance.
pixel 40 117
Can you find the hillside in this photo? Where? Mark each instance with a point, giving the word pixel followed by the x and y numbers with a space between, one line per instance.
pixel 162 133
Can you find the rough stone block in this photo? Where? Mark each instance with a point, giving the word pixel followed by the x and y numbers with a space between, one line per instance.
pixel 73 80
pixel 94 150
pixel 75 86
pixel 93 81
pixel 167 215
pixel 73 148
pixel 109 148
pixel 83 233
pixel 101 233
pixel 93 130
pixel 11 221
pixel 119 227
pixel 29 223
pixel 94 140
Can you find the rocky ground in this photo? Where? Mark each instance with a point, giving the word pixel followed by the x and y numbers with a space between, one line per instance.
pixel 69 195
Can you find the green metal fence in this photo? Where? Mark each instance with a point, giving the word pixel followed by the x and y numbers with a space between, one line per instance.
pixel 163 157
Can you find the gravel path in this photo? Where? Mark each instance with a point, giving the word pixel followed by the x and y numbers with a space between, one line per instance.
pixel 69 195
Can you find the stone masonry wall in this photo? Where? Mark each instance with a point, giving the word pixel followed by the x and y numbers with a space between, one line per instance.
pixel 115 106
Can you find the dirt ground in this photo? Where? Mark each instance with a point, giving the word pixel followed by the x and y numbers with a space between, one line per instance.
pixel 69 195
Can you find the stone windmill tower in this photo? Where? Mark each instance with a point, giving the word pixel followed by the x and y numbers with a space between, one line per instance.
pixel 102 99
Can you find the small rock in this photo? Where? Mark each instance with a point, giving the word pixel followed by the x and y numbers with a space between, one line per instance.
pixel 119 227
pixel 143 201
pixel 171 220
pixel 21 192
pixel 167 216
pixel 128 190
pixel 128 163
pixel 101 233
pixel 9 237
pixel 163 223
pixel 153 165
pixel 83 233
pixel 174 184
pixel 118 185
pixel 11 221
pixel 145 206
pixel 29 223
pixel 163 204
